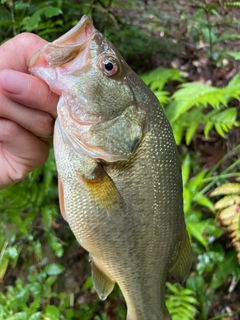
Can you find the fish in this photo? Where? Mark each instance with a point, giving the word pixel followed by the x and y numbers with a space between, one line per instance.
pixel 120 185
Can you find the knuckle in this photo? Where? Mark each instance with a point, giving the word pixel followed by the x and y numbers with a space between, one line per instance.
pixel 49 100
pixel 8 128
pixel 45 123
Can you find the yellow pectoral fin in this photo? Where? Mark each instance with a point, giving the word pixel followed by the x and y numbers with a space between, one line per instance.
pixel 61 198
pixel 102 283
pixel 102 190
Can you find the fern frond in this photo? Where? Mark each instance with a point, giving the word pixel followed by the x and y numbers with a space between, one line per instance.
pixel 235 55
pixel 185 109
pixel 197 94
pixel 227 188
pixel 181 302
pixel 222 120
pixel 157 79
pixel 163 97
pixel 227 36
pixel 230 4
pixel 227 201
pixel 229 211
pixel 235 81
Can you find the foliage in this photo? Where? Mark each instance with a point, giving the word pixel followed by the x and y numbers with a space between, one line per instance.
pixel 192 105
pixel 207 25
pixel 30 239
pixel 23 301
pixel 186 108
pixel 181 303
pixel 229 211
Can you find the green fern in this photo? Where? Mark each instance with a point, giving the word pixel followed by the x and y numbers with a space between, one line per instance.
pixel 230 4
pixel 222 120
pixel 158 78
pixel 196 94
pixel 181 302
pixel 185 109
pixel 235 55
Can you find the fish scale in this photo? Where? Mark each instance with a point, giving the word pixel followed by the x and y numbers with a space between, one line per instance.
pixel 120 186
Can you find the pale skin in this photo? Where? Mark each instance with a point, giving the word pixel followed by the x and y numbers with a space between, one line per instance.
pixel 27 111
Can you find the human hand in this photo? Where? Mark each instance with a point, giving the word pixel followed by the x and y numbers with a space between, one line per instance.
pixel 27 111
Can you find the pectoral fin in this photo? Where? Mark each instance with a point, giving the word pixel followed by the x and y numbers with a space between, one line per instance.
pixel 102 190
pixel 102 283
pixel 183 264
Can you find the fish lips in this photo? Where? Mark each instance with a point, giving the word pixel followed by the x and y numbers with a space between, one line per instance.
pixel 60 55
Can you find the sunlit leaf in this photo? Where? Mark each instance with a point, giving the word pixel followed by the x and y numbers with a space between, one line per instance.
pixel 51 313
pixel 54 269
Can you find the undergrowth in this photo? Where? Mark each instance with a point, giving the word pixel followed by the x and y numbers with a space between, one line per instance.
pixel 29 210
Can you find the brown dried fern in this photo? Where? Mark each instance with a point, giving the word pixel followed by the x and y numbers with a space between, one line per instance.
pixel 229 211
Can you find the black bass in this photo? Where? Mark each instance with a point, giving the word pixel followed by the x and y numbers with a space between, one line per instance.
pixel 120 184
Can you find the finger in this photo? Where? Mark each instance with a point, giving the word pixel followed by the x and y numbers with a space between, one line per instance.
pixel 28 90
pixel 19 157
pixel 23 47
pixel 38 122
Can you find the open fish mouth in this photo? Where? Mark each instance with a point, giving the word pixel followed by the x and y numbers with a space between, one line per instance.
pixel 74 43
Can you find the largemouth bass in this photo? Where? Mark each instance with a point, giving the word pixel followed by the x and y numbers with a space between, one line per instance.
pixel 120 184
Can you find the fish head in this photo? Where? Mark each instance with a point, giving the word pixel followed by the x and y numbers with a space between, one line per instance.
pixel 85 65
pixel 95 85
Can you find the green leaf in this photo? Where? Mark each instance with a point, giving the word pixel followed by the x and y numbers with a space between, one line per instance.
pixel 234 82
pixel 15 218
pixel 51 313
pixel 181 302
pixel 36 316
pixel 11 252
pixel 208 126
pixel 31 23
pixel 157 78
pixel 191 131
pixel 51 11
pixel 47 216
pixel 205 202
pixel 88 283
pixel 197 182
pixel 196 230
pixel 54 269
pixel 21 6
pixel 163 96
pixel 18 316
pixel 55 244
pixel 22 296
pixel 208 260
pixel 178 131
pixel 36 289
pixel 223 270
pixel 196 94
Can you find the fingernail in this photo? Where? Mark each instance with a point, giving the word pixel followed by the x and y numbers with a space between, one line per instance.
pixel 14 82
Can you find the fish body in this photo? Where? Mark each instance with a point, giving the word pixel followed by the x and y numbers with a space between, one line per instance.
pixel 120 184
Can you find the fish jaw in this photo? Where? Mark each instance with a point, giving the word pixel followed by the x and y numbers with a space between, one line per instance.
pixel 60 58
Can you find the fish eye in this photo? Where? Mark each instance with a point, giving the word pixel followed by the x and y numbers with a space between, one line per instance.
pixel 109 66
